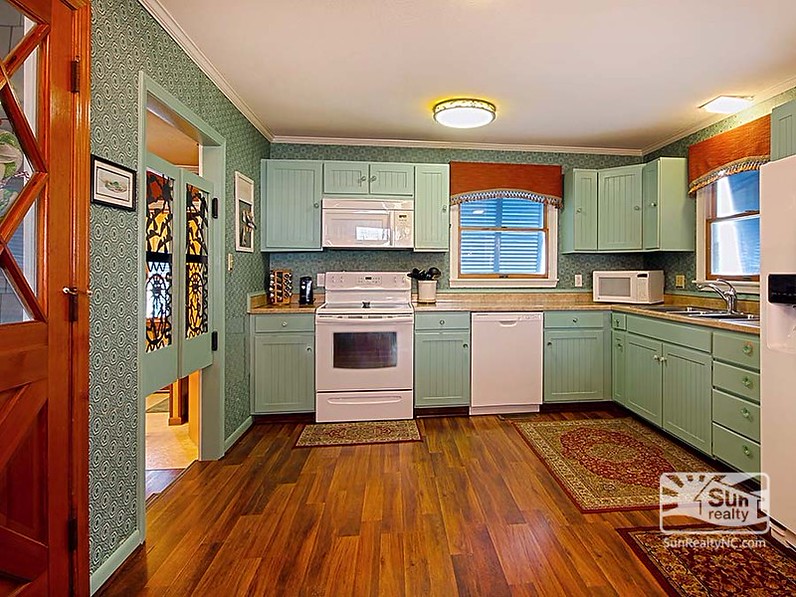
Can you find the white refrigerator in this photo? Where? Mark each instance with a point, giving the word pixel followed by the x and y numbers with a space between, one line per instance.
pixel 778 342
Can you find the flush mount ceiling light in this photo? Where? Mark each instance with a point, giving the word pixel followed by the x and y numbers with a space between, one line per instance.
pixel 464 113
pixel 727 104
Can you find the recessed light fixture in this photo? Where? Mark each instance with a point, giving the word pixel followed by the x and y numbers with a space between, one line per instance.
pixel 464 113
pixel 727 104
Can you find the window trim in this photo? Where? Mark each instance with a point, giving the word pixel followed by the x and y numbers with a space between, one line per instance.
pixel 550 280
pixel 703 213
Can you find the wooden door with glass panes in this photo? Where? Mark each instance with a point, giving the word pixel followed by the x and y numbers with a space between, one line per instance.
pixel 176 322
pixel 43 296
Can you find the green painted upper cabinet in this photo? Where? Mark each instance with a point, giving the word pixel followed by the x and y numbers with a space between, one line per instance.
pixel 291 205
pixel 669 218
pixel 578 218
pixel 363 178
pixel 783 130
pixel 619 209
pixel 432 197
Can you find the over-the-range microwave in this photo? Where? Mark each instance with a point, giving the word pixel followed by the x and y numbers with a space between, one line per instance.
pixel 368 223
pixel 628 286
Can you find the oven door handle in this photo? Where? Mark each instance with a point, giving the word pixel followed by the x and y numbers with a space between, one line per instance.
pixel 348 320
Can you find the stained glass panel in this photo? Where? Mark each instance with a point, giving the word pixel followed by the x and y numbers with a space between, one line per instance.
pixel 196 274
pixel 159 256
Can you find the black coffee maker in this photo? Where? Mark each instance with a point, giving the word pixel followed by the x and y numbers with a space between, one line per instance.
pixel 306 295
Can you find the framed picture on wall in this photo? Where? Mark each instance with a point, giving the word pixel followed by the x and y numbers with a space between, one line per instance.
pixel 244 214
pixel 112 184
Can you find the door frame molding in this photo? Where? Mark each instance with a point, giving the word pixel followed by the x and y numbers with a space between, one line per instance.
pixel 212 160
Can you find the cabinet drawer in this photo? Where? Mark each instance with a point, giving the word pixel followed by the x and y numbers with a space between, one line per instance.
pixel 574 319
pixel 442 320
pixel 619 321
pixel 684 335
pixel 737 381
pixel 739 349
pixel 293 322
pixel 735 450
pixel 736 414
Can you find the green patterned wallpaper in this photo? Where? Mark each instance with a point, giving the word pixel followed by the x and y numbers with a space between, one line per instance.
pixel 126 40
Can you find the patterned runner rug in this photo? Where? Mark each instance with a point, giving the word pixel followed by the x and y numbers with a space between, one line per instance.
pixel 362 432
pixel 607 465
pixel 730 566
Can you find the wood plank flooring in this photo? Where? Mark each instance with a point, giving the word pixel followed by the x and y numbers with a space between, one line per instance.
pixel 470 510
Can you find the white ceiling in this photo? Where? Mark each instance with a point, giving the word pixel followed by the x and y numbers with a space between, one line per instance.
pixel 609 73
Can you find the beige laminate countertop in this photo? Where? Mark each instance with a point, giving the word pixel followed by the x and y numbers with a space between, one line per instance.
pixel 553 301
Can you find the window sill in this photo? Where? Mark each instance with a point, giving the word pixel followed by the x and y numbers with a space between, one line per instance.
pixel 507 283
pixel 741 287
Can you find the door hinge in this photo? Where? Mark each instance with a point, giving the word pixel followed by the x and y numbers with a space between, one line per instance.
pixel 214 341
pixel 214 208
pixel 75 75
pixel 72 532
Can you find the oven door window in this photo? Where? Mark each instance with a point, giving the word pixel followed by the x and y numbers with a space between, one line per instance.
pixel 365 350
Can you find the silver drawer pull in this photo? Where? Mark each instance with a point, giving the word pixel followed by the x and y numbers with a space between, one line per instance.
pixel 747 383
pixel 284 324
pixel 747 451
pixel 745 413
pixel 442 322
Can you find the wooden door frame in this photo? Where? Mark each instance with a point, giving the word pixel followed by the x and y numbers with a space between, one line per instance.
pixel 212 160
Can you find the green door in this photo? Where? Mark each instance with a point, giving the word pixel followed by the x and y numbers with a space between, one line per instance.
pixel 619 209
pixel 432 198
pixel 291 205
pixel 783 130
pixel 573 365
pixel 687 395
pixel 618 359
pixel 346 178
pixel 391 179
pixel 195 263
pixel 650 192
pixel 643 381
pixel 442 369
pixel 283 372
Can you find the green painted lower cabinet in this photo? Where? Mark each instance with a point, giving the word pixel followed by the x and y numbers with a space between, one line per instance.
pixel 442 359
pixel 283 369
pixel 643 377
pixel 618 366
pixel 574 367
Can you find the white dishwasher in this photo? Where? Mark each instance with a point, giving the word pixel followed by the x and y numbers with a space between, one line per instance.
pixel 506 363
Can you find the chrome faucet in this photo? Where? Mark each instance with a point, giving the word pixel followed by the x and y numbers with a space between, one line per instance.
pixel 730 295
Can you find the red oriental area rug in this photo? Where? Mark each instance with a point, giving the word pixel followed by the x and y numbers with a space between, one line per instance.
pixel 607 465
pixel 363 432
pixel 724 564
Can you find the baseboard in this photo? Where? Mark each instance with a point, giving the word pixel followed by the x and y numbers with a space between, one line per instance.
pixel 117 558
pixel 554 407
pixel 504 410
pixel 305 418
pixel 236 435
pixel 442 411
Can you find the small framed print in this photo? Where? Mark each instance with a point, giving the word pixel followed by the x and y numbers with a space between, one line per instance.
pixel 244 214
pixel 112 184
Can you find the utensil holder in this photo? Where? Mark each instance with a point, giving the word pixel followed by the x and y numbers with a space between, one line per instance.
pixel 426 291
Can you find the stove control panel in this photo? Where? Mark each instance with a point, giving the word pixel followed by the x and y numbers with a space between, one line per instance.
pixel 367 280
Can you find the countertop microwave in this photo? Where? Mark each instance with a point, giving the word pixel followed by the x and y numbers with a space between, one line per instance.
pixel 641 287
pixel 368 223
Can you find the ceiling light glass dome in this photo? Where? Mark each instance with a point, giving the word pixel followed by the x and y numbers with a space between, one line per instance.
pixel 464 113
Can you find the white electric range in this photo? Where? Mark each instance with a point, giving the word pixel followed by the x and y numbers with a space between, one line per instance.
pixel 364 348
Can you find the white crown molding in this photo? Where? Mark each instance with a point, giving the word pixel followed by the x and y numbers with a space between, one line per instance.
pixel 454 145
pixel 760 98
pixel 167 21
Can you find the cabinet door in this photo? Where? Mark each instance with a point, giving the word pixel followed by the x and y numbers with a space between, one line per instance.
pixel 585 216
pixel 650 193
pixel 432 197
pixel 573 366
pixel 783 130
pixel 442 369
pixel 643 381
pixel 283 373
pixel 291 199
pixel 392 179
pixel 687 409
pixel 618 359
pixel 346 178
pixel 619 209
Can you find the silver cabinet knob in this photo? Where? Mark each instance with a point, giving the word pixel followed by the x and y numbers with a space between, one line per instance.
pixel 284 324
pixel 465 345
pixel 655 357
pixel 316 205
pixel 444 208
pixel 309 349
pixel 653 204
pixel 363 178
pixel 442 322
pixel 579 210
pixel 549 343
pixel 745 413
pixel 373 178
pixel 637 207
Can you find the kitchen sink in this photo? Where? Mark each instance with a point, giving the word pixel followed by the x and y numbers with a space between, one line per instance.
pixel 683 309
pixel 707 313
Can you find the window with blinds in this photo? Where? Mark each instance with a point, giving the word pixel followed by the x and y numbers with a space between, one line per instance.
pixel 503 238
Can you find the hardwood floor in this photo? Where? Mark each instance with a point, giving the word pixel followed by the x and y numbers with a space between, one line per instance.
pixel 470 510
pixel 157 480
